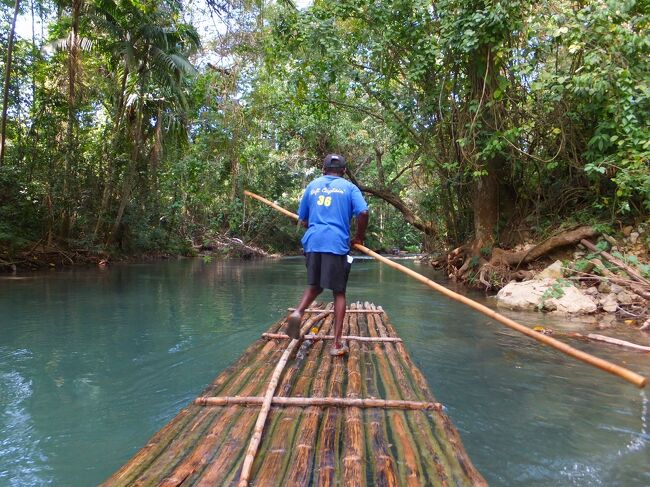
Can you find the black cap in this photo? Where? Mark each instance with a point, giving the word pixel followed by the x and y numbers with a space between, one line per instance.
pixel 334 161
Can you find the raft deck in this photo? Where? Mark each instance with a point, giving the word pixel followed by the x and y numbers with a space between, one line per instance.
pixel 365 419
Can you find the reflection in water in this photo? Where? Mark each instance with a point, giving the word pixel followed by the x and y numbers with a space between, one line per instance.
pixel 92 363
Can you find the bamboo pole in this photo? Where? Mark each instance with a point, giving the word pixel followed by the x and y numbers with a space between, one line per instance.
pixel 319 402
pixel 354 473
pixel 302 454
pixel 409 468
pixel 436 461
pixel 383 463
pixel 450 441
pixel 261 419
pixel 347 310
pixel 273 456
pixel 331 337
pixel 327 454
pixel 630 376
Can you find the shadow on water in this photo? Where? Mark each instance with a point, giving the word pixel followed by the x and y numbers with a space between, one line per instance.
pixel 92 363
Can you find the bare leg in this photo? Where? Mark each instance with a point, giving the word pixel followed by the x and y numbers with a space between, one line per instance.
pixel 308 297
pixel 339 315
pixel 293 322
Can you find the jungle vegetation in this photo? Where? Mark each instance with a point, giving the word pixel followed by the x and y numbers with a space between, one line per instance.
pixel 133 126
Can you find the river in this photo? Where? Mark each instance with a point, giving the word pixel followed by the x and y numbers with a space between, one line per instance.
pixel 93 362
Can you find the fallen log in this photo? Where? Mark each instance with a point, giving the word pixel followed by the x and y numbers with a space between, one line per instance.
pixel 616 341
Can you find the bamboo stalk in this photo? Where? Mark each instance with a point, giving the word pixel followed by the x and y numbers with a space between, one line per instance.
pixel 614 369
pixel 409 468
pixel 331 337
pixel 628 375
pixel 326 467
pixel 383 463
pixel 319 402
pixel 148 454
pixel 271 204
pixel 354 473
pixel 347 310
pixel 437 465
pixel 261 420
pixel 274 452
pixel 450 441
pixel 224 468
pixel 178 459
pixel 302 455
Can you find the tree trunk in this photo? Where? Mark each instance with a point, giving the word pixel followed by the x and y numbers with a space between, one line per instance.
pixel 395 201
pixel 70 154
pixel 5 91
pixel 129 177
pixel 108 187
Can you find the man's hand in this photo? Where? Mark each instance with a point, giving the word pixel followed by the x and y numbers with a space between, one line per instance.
pixel 357 240
pixel 304 223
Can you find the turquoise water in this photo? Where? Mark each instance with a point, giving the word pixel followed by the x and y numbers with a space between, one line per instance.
pixel 92 363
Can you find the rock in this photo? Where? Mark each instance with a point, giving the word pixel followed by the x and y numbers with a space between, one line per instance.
pixel 591 291
pixel 578 255
pixel 609 303
pixel 573 301
pixel 615 288
pixel 627 230
pixel 634 236
pixel 604 287
pixel 530 295
pixel 525 295
pixel 554 271
pixel 625 297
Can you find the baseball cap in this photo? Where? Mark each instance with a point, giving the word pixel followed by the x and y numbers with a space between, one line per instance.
pixel 334 161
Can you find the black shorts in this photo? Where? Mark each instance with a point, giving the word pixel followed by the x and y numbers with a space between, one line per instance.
pixel 328 271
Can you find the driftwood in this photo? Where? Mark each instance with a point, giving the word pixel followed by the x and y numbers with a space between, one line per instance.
pixel 616 341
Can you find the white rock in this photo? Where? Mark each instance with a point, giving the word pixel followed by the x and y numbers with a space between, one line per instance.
pixel 529 295
pixel 523 295
pixel 554 271
pixel 634 236
pixel 591 291
pixel 573 301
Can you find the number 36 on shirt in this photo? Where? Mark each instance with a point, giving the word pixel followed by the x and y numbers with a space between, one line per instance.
pixel 324 200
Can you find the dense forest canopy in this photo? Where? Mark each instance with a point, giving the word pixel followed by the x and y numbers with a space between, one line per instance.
pixel 135 125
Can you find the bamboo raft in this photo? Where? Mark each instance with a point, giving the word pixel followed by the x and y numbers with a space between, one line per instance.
pixel 288 414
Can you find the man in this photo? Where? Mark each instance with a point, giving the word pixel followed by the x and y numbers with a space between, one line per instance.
pixel 326 209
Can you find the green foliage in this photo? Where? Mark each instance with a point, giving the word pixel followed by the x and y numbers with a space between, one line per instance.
pixel 121 142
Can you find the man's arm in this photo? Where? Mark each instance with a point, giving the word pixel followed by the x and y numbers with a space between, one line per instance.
pixel 362 224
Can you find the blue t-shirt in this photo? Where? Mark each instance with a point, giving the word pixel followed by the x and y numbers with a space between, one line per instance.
pixel 329 203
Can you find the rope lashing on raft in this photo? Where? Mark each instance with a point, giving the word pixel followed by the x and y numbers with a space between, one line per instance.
pixel 630 376
pixel 320 402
